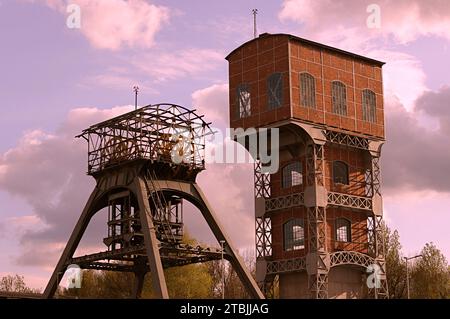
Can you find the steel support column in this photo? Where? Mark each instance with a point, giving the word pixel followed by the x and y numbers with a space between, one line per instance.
pixel 317 260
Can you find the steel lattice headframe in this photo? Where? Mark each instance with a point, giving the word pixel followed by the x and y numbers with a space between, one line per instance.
pixel 162 132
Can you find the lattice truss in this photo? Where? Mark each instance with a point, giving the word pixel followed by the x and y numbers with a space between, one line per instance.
pixel 318 285
pixel 261 180
pixel 263 237
pixel 286 265
pixel 346 139
pixel 315 160
pixel 161 132
pixel 350 258
pixel 282 202
pixel 316 228
pixel 349 201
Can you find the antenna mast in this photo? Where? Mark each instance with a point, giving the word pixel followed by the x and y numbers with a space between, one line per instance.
pixel 255 33
pixel 136 91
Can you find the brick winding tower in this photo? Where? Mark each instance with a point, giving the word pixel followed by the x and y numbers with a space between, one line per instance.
pixel 318 218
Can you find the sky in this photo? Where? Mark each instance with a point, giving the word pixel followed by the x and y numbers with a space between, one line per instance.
pixel 56 79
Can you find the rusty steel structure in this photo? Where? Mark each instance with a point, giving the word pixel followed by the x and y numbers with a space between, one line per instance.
pixel 145 164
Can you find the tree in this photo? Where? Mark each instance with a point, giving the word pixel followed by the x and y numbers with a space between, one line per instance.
pixel 186 282
pixel 15 283
pixel 101 284
pixel 395 266
pixel 430 274
pixel 233 286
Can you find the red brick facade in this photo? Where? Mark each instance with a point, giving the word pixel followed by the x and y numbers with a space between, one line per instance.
pixel 253 63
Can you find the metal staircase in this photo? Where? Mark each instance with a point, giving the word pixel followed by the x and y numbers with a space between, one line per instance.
pixel 169 228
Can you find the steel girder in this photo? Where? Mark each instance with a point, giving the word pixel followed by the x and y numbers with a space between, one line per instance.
pixel 286 265
pixel 132 177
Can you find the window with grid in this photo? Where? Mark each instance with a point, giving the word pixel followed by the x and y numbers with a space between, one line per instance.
pixel 339 95
pixel 243 100
pixel 292 175
pixel 343 230
pixel 369 106
pixel 340 173
pixel 275 90
pixel 294 235
pixel 307 90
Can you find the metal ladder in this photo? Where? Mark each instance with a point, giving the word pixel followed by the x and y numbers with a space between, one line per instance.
pixel 161 216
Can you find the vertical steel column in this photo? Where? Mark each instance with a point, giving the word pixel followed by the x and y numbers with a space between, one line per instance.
pixel 376 236
pixel 317 258
pixel 151 242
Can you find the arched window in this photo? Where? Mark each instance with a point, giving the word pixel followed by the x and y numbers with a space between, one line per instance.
pixel 343 230
pixel 275 90
pixel 292 175
pixel 369 106
pixel 243 100
pixel 340 173
pixel 294 235
pixel 307 90
pixel 339 94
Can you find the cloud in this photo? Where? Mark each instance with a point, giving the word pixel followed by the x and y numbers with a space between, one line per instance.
pixel 403 20
pixel 400 66
pixel 115 24
pixel 436 104
pixel 156 66
pixel 48 172
pixel 416 158
pixel 213 103
pixel 229 189
pixel 163 66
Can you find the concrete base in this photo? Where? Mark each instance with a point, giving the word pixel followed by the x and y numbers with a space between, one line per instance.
pixel 294 286
pixel 344 282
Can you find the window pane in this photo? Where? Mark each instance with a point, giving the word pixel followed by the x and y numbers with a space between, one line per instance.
pixel 274 90
pixel 307 90
pixel 292 175
pixel 294 235
pixel 339 94
pixel 343 230
pixel 340 173
pixel 369 106
pixel 243 100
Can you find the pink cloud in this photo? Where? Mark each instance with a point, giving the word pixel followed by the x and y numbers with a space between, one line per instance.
pixel 404 20
pixel 56 165
pixel 114 24
pixel 163 66
pixel 213 103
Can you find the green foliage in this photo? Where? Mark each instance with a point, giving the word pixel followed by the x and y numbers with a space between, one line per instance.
pixel 102 284
pixel 430 275
pixel 186 282
pixel 395 266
